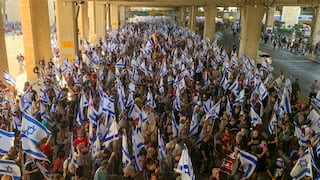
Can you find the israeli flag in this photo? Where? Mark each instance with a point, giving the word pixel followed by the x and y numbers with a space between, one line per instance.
pixel 185 164
pixel 44 97
pixel 234 86
pixel 9 78
pixel 150 71
pixel 26 102
pixel 273 123
pixel 207 105
pixel 316 100
pixel 6 141
pixel 130 100
pixel 44 171
pixel 228 109
pixel 17 123
pixel 137 144
pixel 214 111
pixel 150 100
pixel 302 139
pixel 313 116
pixel 194 125
pixel 285 105
pixel 58 92
pixel 125 150
pixel 132 88
pixel 176 101
pixel 303 167
pixel 95 148
pixel 163 69
pixel 248 162
pixel 10 168
pixel 134 112
pixel 54 108
pixel 121 63
pixel 73 154
pixel 33 129
pixel 224 82
pixel 92 113
pixel 29 147
pixel 143 68
pixel 162 148
pixel 175 126
pixel 112 134
pixel 91 138
pixel 318 149
pixel 255 118
pixel 121 95
pixel 80 114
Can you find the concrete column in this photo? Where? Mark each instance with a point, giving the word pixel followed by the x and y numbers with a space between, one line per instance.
pixel 100 19
pixel 66 28
pixel 3 52
pixel 183 16
pixel 315 34
pixel 83 21
pixel 114 16
pixel 36 33
pixel 122 15
pixel 108 18
pixel 192 18
pixel 92 24
pixel 270 17
pixel 251 20
pixel 210 13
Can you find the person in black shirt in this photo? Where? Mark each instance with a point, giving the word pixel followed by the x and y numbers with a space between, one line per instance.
pixel 206 149
pixel 31 170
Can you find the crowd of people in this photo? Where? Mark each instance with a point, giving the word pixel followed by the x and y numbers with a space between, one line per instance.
pixel 140 97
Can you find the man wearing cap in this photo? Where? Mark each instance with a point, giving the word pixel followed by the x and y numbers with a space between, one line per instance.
pixel 276 170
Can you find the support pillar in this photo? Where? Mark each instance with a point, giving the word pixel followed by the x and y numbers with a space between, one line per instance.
pixel 315 34
pixel 183 16
pixel 100 19
pixel 92 24
pixel 270 18
pixel 251 21
pixel 83 20
pixel 36 33
pixel 122 15
pixel 210 13
pixel 114 16
pixel 3 52
pixel 67 31
pixel 192 18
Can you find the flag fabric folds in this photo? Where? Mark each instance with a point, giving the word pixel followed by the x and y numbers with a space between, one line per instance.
pixel 29 147
pixel 10 168
pixel 33 129
pixel 248 162
pixel 185 164
pixel 6 141
pixel 303 167
pixel 125 150
pixel 9 78
pixel 112 134
pixel 150 100
pixel 162 148
pixel 45 172
pixel 175 126
pixel 213 112
pixel 255 118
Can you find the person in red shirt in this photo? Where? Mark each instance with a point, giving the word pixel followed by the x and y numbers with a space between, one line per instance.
pixel 82 142
pixel 46 148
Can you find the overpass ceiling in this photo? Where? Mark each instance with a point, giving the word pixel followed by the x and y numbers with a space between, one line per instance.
pixel 223 3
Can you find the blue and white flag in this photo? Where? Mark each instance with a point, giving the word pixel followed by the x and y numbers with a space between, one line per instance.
pixel 234 86
pixel 6 141
pixel 80 113
pixel 273 124
pixel 176 102
pixel 185 164
pixel 9 78
pixel 91 137
pixel 73 154
pixel 134 112
pixel 95 148
pixel 207 105
pixel 228 109
pixel 8 167
pixel 112 134
pixel 316 100
pixel 16 122
pixel 248 162
pixel 240 97
pixel 44 97
pixel 58 92
pixel 33 129
pixel 255 118
pixel 150 71
pixel 143 68
pixel 194 125
pixel 285 105
pixel 303 167
pixel 92 113
pixel 313 115
pixel 125 150
pixel 137 144
pixel 161 85
pixel 132 87
pixel 224 82
pixel 318 149
pixel 150 100
pixel 29 147
pixel 302 139
pixel 162 148
pixel 175 126
pixel 130 100
pixel 26 101
pixel 121 95
pixel 44 171
pixel 214 111
pixel 121 63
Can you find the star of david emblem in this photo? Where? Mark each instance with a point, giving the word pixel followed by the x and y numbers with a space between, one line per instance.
pixel 9 169
pixel 30 130
pixel 303 163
